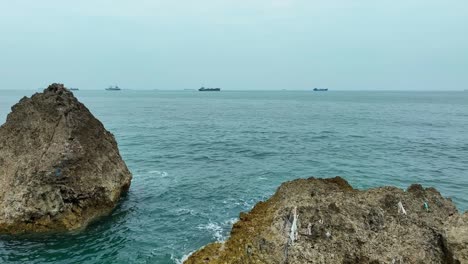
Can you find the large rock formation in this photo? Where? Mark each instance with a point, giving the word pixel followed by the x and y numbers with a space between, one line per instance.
pixel 59 167
pixel 335 223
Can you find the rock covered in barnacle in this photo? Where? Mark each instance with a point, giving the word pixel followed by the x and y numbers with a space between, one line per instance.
pixel 338 224
pixel 59 167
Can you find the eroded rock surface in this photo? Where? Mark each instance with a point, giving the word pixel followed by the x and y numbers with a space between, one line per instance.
pixel 338 224
pixel 59 167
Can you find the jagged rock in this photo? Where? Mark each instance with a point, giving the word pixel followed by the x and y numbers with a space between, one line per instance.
pixel 59 167
pixel 339 224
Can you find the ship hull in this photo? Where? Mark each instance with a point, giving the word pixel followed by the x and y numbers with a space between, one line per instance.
pixel 209 89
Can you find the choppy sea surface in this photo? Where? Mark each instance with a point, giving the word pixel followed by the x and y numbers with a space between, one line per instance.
pixel 198 159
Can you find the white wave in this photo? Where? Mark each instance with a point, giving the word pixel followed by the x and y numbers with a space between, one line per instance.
pixel 160 173
pixel 182 211
pixel 215 229
pixel 231 221
pixel 219 231
pixel 183 259
pixel 246 204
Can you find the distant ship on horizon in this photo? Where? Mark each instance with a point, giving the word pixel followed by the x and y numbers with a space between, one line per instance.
pixel 113 88
pixel 203 89
pixel 320 89
pixel 74 89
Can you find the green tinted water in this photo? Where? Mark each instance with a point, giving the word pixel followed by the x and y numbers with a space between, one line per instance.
pixel 199 159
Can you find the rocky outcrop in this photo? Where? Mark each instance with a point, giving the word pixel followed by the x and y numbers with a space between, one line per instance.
pixel 59 167
pixel 327 221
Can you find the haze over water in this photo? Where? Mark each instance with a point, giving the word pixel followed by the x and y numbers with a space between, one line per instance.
pixel 198 159
pixel 235 44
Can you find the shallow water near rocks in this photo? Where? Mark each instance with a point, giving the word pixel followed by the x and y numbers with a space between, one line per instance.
pixel 198 159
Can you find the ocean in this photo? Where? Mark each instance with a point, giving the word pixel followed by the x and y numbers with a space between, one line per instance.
pixel 199 159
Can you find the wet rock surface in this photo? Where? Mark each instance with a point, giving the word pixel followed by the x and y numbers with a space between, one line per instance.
pixel 59 167
pixel 327 221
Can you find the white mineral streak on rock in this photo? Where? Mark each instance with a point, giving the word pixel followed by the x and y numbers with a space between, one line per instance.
pixel 293 234
pixel 401 209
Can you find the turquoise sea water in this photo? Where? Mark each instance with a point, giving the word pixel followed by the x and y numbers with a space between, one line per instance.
pixel 198 159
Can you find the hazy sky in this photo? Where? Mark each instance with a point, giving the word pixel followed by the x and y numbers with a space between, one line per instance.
pixel 235 44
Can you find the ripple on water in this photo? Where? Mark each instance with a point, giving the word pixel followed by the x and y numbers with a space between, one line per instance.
pixel 199 160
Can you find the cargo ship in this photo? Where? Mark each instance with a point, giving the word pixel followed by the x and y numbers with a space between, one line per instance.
pixel 203 89
pixel 113 88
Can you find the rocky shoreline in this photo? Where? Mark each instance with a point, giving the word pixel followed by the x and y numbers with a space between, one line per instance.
pixel 327 221
pixel 59 167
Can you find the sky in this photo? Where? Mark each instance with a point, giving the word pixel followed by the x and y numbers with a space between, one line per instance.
pixel 235 44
